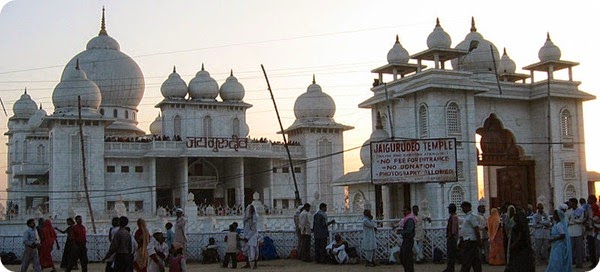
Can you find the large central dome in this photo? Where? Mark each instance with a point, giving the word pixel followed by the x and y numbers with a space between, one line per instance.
pixel 119 78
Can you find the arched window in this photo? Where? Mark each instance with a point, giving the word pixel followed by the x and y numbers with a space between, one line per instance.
pixel 453 120
pixel 457 195
pixel 102 112
pixel 423 123
pixel 570 191
pixel 566 123
pixel 40 154
pixel 235 127
pixel 207 126
pixel 177 125
pixel 115 113
pixel 126 114
pixel 358 202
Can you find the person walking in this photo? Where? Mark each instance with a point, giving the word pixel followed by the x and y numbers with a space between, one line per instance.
pixel 483 230
pixel 521 252
pixel 419 233
pixel 78 246
pixel 157 252
pixel 321 233
pixel 369 243
pixel 31 241
pixel 575 217
pixel 142 238
pixel 560 253
pixel 541 233
pixel 452 232
pixel 121 246
pixel 180 224
pixel 47 243
pixel 251 236
pixel 305 233
pixel 496 237
pixel 64 263
pixel 408 240
pixel 111 233
pixel 231 248
pixel 470 240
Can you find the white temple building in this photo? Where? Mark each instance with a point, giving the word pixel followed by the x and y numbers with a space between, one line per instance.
pixel 198 146
pixel 519 136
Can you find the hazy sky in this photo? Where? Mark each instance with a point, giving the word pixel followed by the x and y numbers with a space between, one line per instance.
pixel 338 41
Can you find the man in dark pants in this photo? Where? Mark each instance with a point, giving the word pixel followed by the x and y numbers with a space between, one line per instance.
pixel 470 240
pixel 305 233
pixel 78 246
pixel 451 238
pixel 321 233
pixel 121 247
pixel 408 241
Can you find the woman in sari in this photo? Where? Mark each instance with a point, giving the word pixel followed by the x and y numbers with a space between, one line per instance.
pixel 251 236
pixel 49 237
pixel 521 252
pixel 142 238
pixel 496 237
pixel 561 257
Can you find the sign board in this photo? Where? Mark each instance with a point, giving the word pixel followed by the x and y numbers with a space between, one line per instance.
pixel 414 161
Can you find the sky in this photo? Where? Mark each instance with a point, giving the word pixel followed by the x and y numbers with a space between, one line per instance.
pixel 339 42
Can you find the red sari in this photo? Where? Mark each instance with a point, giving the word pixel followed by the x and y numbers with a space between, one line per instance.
pixel 496 237
pixel 48 239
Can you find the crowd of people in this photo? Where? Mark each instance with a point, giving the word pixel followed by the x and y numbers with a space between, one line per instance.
pixel 502 238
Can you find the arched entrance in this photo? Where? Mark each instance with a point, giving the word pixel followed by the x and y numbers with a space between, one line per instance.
pixel 508 176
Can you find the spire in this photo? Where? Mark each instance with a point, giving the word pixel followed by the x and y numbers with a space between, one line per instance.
pixel 40 106
pixel 103 24
pixel 25 90
pixel 77 64
pixel 314 81
pixel 473 28
pixel 548 36
pixel 437 21
pixel 174 70
pixel 202 66
pixel 397 39
pixel 231 73
pixel 378 124
pixel 504 51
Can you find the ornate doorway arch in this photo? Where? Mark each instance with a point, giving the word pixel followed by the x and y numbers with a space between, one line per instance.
pixel 508 176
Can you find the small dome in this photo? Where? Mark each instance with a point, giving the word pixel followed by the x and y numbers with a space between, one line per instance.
pixel 506 65
pixel 379 134
pixel 73 84
pixel 203 87
pixel 479 58
pixel 549 51
pixel 314 103
pixel 174 86
pixel 232 89
pixel 156 126
pixel 25 106
pixel 397 55
pixel 438 38
pixel 36 119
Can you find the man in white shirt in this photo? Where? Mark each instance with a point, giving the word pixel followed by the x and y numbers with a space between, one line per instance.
pixel 576 232
pixel 305 233
pixel 470 240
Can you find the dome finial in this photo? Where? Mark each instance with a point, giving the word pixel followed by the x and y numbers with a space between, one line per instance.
pixel 25 90
pixel 40 106
pixel 378 124
pixel 397 39
pixel 504 51
pixel 548 36
pixel 314 81
pixel 174 69
pixel 231 72
pixel 473 28
pixel 77 64
pixel 437 21
pixel 103 24
pixel 202 69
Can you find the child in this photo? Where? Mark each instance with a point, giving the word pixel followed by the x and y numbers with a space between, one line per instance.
pixel 177 260
pixel 169 235
pixel 232 247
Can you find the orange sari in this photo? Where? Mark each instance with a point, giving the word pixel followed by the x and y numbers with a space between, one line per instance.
pixel 48 239
pixel 496 239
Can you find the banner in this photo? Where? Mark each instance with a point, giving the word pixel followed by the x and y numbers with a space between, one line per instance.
pixel 414 161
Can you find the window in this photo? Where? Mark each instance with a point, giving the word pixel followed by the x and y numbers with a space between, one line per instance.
pixel 459 170
pixel 126 114
pixel 569 170
pixel 235 130
pixel 124 169
pixel 453 120
pixel 274 169
pixel 115 113
pixel 139 169
pixel 566 129
pixel 110 168
pixel 457 195
pixel 102 112
pixel 177 125
pixel 285 170
pixel 41 154
pixel 423 125
pixel 207 126
pixel 297 170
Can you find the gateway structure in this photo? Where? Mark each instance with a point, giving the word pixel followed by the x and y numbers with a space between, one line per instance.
pixel 198 150
pixel 519 136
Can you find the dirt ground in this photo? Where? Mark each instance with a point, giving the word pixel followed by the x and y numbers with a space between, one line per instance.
pixel 299 266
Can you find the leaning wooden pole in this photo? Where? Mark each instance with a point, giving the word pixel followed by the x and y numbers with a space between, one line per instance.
pixel 285 143
pixel 85 184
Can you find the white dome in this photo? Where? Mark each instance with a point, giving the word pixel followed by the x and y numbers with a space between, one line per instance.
pixel 379 134
pixel 118 76
pixel 397 55
pixel 156 126
pixel 174 86
pixel 549 51
pixel 25 106
pixel 37 118
pixel 314 103
pixel 75 84
pixel 479 58
pixel 438 38
pixel 232 89
pixel 506 65
pixel 203 87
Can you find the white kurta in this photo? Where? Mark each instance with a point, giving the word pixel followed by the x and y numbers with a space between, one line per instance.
pixel 153 248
